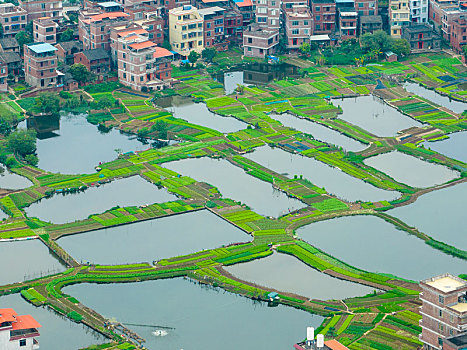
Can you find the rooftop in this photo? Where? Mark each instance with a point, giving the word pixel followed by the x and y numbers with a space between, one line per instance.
pixel 143 45
pixel 413 28
pixel 108 4
pixel 210 1
pixel 458 340
pixel 243 3
pixel 108 15
pixel 459 307
pixel 133 31
pixel 8 43
pixel 68 45
pixel 335 345
pixel 445 283
pixel 25 322
pixel 96 54
pixel 210 10
pixel 41 47
pixel 7 315
pixel 371 19
pixel 161 52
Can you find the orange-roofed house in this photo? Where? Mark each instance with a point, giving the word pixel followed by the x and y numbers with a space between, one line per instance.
pixel 18 332
pixel 328 345
pixel 95 27
pixel 142 65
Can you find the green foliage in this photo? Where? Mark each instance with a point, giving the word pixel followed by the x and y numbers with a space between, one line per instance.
pixel 80 73
pixel 193 57
pixel 48 103
pixel 22 142
pixel 67 35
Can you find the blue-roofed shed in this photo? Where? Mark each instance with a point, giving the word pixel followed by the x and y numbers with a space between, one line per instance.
pixel 41 47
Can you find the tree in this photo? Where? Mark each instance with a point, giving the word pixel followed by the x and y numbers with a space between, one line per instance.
pixel 67 35
pixel 23 38
pixel 166 45
pixel 105 102
pixel 400 47
pixel 193 57
pixel 22 142
pixel 305 48
pixel 80 73
pixel 48 103
pixel 240 89
pixel 161 128
pixel 208 54
pixel 377 41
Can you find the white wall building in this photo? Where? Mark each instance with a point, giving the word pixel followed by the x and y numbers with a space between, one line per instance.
pixel 18 332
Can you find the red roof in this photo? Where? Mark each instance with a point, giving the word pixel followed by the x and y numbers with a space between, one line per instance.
pixel 143 45
pixel 335 345
pixel 7 315
pixel 243 3
pixel 108 15
pixel 161 52
pixel 134 31
pixel 25 322
pixel 209 1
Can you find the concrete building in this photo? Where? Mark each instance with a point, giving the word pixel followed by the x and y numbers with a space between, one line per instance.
pixel 369 24
pixel 40 65
pixel 214 33
pixel 44 30
pixel 186 30
pixel 18 332
pixel 141 64
pixel 245 7
pixel 298 26
pixel 458 342
pixel 149 18
pixel 66 51
pixel 436 11
pixel 399 16
pixel 9 45
pixel 421 37
pixel 42 8
pixel 12 18
pixel 95 27
pixel 443 310
pixel 96 61
pixel 347 24
pixel 3 76
pixel 324 16
pixel 233 25
pixel 458 34
pixel 367 7
pixel 259 42
pixel 14 63
pixel 419 11
pixel 268 14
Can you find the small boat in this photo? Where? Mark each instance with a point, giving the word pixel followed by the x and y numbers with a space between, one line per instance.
pixel 160 333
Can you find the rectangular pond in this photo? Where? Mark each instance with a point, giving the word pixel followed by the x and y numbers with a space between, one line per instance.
pixel 320 132
pixel 151 240
pixel 433 96
pixel 77 146
pixel 372 244
pixel 411 170
pixel 199 114
pixel 373 115
pixel 332 179
pixel 440 214
pixel 62 208
pixel 31 259
pixel 233 182
pixel 453 147
pixel 203 318
pixel 57 332
pixel 286 273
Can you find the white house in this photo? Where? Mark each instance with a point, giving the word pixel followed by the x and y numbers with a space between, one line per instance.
pixel 18 332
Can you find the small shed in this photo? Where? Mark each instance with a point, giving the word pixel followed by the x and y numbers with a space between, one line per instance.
pixel 273 296
pixel 390 56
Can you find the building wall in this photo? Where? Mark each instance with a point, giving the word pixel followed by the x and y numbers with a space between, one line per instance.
pixel 42 8
pixel 186 31
pixel 12 18
pixel 324 17
pixel 268 14
pixel 399 16
pixel 44 31
pixel 254 46
pixel 458 35
pixel 298 28
pixel 367 7
pixel 40 71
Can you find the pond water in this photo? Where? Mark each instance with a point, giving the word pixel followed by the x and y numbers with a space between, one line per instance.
pixel 128 191
pixel 12 181
pixel 411 170
pixel 370 243
pixel 288 274
pixel 75 146
pixel 332 179
pixel 31 260
pixel 453 147
pixel 439 214
pixel 433 96
pixel 153 239
pixel 199 114
pixel 203 318
pixel 57 332
pixel 373 115
pixel 320 132
pixel 234 183
pixel 264 73
pixel 231 81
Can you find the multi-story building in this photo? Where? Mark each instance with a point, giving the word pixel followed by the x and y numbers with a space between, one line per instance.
pixel 95 27
pixel 18 332
pixel 443 310
pixel 141 64
pixel 246 8
pixel 458 34
pixel 436 11
pixel 367 7
pixel 14 63
pixel 12 18
pixel 324 16
pixel 347 24
pixel 214 35
pixel 3 76
pixel 421 37
pixel 419 11
pixel 96 61
pixel 44 30
pixel 399 16
pixel 268 14
pixel 66 51
pixel 298 24
pixel 202 4
pixel 186 30
pixel 42 8
pixel 9 45
pixel 458 342
pixel 233 25
pixel 40 65
pixel 259 42
pixel 369 24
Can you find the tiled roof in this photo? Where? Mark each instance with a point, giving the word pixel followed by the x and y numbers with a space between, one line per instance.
pixel 133 31
pixel 108 15
pixel 143 45
pixel 96 54
pixel 161 52
pixel 243 3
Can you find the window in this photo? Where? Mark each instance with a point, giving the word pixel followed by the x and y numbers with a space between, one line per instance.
pixel 441 299
pixel 318 27
pixel 6 20
pixel 295 32
pixel 22 342
pixel 318 17
pixel 305 23
pixel 249 48
pixel 200 42
pixel 42 6
pixel 317 8
pixel 440 313
pixel 295 23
